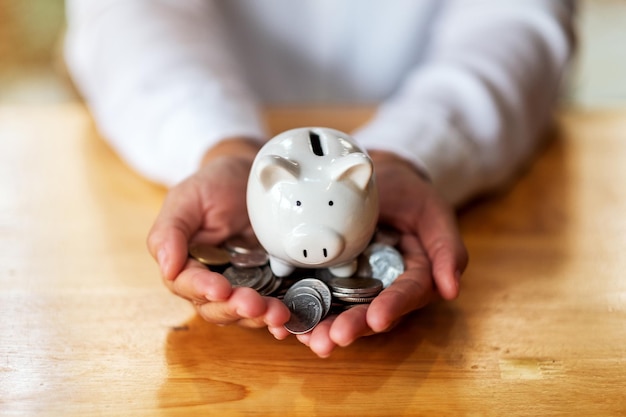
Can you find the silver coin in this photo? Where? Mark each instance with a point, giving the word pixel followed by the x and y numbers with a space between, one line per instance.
pixel 356 286
pixel 357 300
pixel 344 299
pixel 385 262
pixel 348 306
pixel 336 294
pixel 244 277
pixel 349 297
pixel 249 260
pixel 267 282
pixel 293 291
pixel 306 312
pixel 273 286
pixel 321 288
pixel 266 279
pixel 243 244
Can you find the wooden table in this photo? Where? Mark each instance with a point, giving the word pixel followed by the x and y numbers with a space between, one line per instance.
pixel 88 329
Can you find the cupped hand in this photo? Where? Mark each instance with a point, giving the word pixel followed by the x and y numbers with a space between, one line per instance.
pixel 209 207
pixel 433 251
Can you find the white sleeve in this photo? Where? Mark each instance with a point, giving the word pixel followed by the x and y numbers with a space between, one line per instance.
pixel 474 111
pixel 160 81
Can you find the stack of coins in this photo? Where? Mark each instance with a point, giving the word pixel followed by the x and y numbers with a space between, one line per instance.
pixel 309 301
pixel 355 290
pixel 309 294
pixel 259 279
pixel 246 252
pixel 213 257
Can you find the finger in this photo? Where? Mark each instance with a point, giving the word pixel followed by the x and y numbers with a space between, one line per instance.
pixel 279 332
pixel 442 241
pixel 168 238
pixel 198 284
pixel 248 323
pixel 261 321
pixel 350 325
pixel 410 291
pixel 244 303
pixel 320 341
pixel 276 314
pixel 304 338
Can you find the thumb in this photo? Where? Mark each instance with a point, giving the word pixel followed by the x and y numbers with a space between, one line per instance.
pixel 168 238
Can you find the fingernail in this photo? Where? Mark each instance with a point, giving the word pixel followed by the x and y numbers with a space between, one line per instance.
pixel 457 278
pixel 272 331
pixel 162 260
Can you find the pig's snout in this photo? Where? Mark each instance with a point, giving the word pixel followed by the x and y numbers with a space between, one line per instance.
pixel 313 244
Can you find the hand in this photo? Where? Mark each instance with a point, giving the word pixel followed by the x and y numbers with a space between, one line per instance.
pixel 433 251
pixel 209 207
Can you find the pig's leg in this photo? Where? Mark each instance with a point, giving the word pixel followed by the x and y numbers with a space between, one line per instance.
pixel 344 270
pixel 280 268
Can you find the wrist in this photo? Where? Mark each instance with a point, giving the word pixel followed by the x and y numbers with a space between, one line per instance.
pixel 241 147
pixel 385 158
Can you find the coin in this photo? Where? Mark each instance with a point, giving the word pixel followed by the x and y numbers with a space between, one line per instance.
pixel 293 291
pixel 306 311
pixel 321 288
pixel 357 300
pixel 209 254
pixel 360 286
pixel 248 259
pixel 273 287
pixel 309 294
pixel 244 277
pixel 386 262
pixel 266 279
pixel 243 244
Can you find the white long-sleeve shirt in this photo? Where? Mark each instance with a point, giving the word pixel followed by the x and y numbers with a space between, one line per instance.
pixel 465 87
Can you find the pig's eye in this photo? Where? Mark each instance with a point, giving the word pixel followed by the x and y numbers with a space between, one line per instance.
pixel 330 203
pixel 298 203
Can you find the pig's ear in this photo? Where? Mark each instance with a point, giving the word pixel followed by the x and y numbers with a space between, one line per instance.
pixel 355 167
pixel 272 169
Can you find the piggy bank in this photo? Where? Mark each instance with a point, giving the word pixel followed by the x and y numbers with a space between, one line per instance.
pixel 312 200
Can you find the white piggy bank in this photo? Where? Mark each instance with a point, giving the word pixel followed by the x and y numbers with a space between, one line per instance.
pixel 312 200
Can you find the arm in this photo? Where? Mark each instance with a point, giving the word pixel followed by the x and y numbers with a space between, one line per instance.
pixel 167 95
pixel 468 118
pixel 160 81
pixel 473 112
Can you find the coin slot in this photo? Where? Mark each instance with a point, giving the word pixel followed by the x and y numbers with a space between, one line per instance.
pixel 304 253
pixel 325 253
pixel 316 144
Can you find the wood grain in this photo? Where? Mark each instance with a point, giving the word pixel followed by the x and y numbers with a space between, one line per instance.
pixel 88 329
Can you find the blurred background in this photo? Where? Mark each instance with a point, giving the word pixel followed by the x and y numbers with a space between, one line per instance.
pixel 31 65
